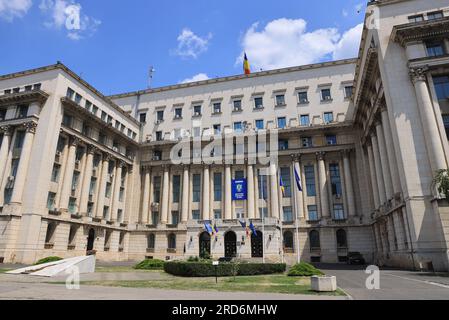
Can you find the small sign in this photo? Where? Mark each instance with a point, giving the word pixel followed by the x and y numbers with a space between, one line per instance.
pixel 215 263
pixel 239 189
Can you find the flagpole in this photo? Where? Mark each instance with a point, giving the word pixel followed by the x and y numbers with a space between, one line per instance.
pixel 298 254
pixel 263 221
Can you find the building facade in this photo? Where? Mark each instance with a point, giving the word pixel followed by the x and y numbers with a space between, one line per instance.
pixel 139 174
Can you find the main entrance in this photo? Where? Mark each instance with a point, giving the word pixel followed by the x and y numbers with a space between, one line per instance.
pixel 204 245
pixel 257 245
pixel 91 240
pixel 230 241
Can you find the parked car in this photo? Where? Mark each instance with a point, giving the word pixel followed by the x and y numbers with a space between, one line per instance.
pixel 355 258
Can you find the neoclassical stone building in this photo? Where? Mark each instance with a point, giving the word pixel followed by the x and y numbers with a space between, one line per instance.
pixel 139 174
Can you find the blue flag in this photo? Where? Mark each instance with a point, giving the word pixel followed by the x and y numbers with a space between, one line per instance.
pixel 253 229
pixel 298 180
pixel 208 228
pixel 243 223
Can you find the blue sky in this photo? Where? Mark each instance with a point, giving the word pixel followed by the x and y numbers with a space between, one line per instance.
pixel 115 42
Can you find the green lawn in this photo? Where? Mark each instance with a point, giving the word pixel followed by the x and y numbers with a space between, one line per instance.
pixel 4 270
pixel 267 283
pixel 116 269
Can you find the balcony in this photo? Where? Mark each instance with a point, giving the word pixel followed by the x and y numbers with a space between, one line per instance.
pixel 23 97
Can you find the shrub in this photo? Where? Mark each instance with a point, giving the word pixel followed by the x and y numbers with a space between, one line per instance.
pixel 304 270
pixel 47 260
pixel 203 269
pixel 150 264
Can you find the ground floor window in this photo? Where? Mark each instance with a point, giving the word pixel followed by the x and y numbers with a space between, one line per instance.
pixel 288 242
pixel 342 242
pixel 151 240
pixel 49 236
pixel 314 239
pixel 172 242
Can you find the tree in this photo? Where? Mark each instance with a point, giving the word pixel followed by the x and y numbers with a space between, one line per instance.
pixel 442 181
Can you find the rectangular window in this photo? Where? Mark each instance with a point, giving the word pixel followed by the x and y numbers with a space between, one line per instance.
pixel 282 122
pixel 217 107
pixel 259 125
pixel 78 98
pixel 176 188
pixel 14 167
pixel 435 15
pixel 331 139
pixel 239 175
pixel 55 173
pixel 196 215
pixel 217 129
pixel 286 179
pixel 197 111
pixel 326 95
pixel 88 105
pixel 334 171
pixel 70 93
pixel 108 190
pixel 309 172
pixel 283 144
pixel 217 214
pixel 262 184
pixel 2 114
pixel 417 18
pixel 90 209
pixel 304 120
pixel 94 110
pixel 22 111
pixel 303 97
pixel 174 217
pixel 339 213
pixel 106 212
pixel 157 189
pixel 349 90
pixel 288 214
pixel 196 188
pixel 178 113
pixel 446 124
pixel 263 212
pixel 237 105
pixel 104 116
pixel 160 115
pixel 312 213
pixel 280 100
pixel 238 126
pixel 51 201
pixel 328 117
pixel 154 218
pixel 121 194
pixel 217 186
pixel 434 49
pixel 258 103
pixel 120 215
pixel 158 135
pixel 143 117
pixel 93 184
pixel 72 205
pixel 442 87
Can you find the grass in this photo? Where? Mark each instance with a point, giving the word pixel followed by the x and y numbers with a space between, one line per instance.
pixel 117 269
pixel 267 284
pixel 4 270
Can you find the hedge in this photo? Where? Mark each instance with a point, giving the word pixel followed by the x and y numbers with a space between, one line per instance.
pixel 47 260
pixel 304 270
pixel 201 269
pixel 150 264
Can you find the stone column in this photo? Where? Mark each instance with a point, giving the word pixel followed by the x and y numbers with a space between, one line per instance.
pixel 116 190
pixel 228 193
pixel 146 195
pixel 274 198
pixel 102 185
pixel 165 191
pixel 429 123
pixel 205 198
pixel 384 160
pixel 372 170
pixel 348 184
pixel 378 167
pixel 324 197
pixel 298 194
pixel 22 170
pixel 251 200
pixel 84 198
pixel 390 151
pixel 4 150
pixel 185 194
pixel 68 173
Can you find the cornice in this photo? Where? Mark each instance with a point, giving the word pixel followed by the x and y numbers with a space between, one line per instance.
pixel 420 30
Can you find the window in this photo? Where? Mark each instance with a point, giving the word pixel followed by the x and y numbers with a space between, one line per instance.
pixel 172 241
pixel 196 188
pixel 151 241
pixel 157 189
pixel 217 186
pixel 309 172
pixel 258 103
pixel 280 100
pixel 196 215
pixel 326 95
pixel 288 241
pixel 282 123
pixel 72 205
pixel 286 180
pixel 160 115
pixel 306 142
pixel 90 209
pixel 442 87
pixel 154 218
pixel 314 237
pixel 158 135
pixel 143 117
pixel 108 190
pixel 2 114
pixel 197 111
pixel 178 113
pixel 331 139
pixel 16 90
pixel 109 120
pixel 72 235
pixel 174 217
pixel 434 49
pixel 51 201
pixel 104 116
pixel 14 167
pixel 55 173
pixel 120 215
pixel 435 15
pixel 304 120
pixel 217 107
pixel 349 90
pixel 303 97
pixel 28 88
pixel 238 126
pixel 88 105
pixel 70 93
pixel 417 18
pixel 78 98
pixel 288 214
pixel 94 110
pixel 259 125
pixel 217 214
pixel 262 183
pixel 217 129
pixel 22 111
pixel 237 105
pixel 19 139
pixel 334 171
pixel 93 184
pixel 263 213
pixel 342 241
pixel 312 213
pixel 176 188
pixel 196 132
pixel 283 144
pixel 328 117
pixel 106 212
pixel 49 235
pixel 239 175
pixel 446 124
pixel 339 213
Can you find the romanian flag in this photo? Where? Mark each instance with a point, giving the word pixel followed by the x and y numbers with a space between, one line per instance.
pixel 246 66
pixel 215 230
pixel 281 184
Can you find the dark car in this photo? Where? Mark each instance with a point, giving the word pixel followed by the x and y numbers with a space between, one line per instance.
pixel 355 258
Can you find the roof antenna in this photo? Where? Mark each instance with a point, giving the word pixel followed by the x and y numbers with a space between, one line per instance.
pixel 151 72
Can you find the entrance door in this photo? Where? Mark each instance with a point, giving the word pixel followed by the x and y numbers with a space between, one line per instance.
pixel 257 245
pixel 91 240
pixel 230 244
pixel 204 245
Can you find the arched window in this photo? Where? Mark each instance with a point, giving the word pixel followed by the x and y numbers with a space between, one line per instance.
pixel 314 237
pixel 151 239
pixel 172 241
pixel 51 227
pixel 342 241
pixel 288 241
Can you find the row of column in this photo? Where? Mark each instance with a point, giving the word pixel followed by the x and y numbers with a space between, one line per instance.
pixel 252 198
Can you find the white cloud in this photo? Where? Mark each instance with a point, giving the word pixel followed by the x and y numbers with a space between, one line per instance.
pixel 68 14
pixel 198 77
pixel 10 9
pixel 191 45
pixel 287 42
